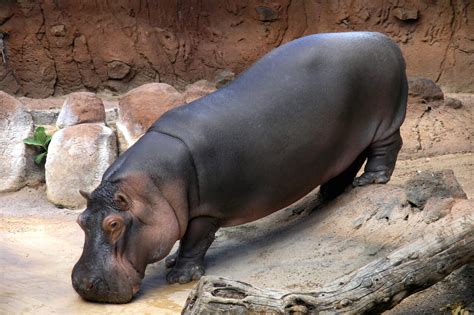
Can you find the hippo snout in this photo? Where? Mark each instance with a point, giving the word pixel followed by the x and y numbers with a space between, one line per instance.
pixel 112 289
pixel 86 285
pixel 88 288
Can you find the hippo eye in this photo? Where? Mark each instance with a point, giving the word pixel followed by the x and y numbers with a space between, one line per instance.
pixel 113 225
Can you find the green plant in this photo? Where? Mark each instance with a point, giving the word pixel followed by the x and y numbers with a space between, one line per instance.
pixel 41 141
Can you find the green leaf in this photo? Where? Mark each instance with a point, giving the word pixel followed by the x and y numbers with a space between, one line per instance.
pixel 40 135
pixel 48 140
pixel 32 141
pixel 40 139
pixel 40 158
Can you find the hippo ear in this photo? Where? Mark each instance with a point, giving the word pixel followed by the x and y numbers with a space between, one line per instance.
pixel 84 194
pixel 122 201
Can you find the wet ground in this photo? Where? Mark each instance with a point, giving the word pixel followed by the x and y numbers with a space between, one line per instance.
pixel 40 244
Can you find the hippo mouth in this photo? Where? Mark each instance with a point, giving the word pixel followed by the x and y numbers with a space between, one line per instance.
pixel 133 275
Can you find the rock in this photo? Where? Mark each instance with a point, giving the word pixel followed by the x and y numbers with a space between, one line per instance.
pixel 117 69
pixel 436 208
pixel 58 30
pixel 15 125
pixel 77 158
pixel 424 88
pixel 80 108
pixel 435 129
pixel 6 12
pixel 140 107
pixel 44 111
pixel 404 14
pixel 267 14
pixel 34 173
pixel 223 77
pixel 198 89
pixel 453 103
pixel 42 103
pixel 8 82
pixel 427 184
pixel 234 35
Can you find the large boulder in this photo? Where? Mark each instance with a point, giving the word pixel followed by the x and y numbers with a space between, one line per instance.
pixel 140 107
pixel 77 158
pixel 198 89
pixel 15 125
pixel 79 108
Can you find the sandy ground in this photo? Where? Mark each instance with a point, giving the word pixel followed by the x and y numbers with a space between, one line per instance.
pixel 40 244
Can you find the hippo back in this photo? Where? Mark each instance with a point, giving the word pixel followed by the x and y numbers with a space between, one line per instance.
pixel 295 119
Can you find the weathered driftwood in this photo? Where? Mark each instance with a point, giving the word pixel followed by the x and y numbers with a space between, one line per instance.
pixel 376 287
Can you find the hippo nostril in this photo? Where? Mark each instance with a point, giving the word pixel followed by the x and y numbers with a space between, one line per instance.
pixel 89 284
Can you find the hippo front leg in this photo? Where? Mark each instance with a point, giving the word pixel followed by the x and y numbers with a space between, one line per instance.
pixel 187 262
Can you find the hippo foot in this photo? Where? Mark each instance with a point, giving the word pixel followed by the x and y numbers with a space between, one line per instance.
pixel 184 272
pixel 170 261
pixel 367 178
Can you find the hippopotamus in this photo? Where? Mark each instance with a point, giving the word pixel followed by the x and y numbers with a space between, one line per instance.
pixel 307 114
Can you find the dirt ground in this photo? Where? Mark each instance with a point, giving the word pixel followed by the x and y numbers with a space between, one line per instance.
pixel 41 243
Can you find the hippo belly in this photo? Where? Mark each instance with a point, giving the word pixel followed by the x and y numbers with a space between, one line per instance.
pixel 297 118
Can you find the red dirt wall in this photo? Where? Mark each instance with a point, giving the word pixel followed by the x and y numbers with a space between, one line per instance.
pixel 54 47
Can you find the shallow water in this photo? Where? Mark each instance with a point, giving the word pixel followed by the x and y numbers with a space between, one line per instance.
pixel 36 260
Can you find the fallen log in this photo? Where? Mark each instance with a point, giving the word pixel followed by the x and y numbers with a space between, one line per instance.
pixel 374 288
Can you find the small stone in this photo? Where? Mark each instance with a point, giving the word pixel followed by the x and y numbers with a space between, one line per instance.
pixel 117 69
pixel 198 89
pixel 404 14
pixel 223 77
pixel 267 14
pixel 80 108
pixel 424 88
pixel 453 103
pixel 58 30
pixel 358 223
pixel 364 14
pixel 427 184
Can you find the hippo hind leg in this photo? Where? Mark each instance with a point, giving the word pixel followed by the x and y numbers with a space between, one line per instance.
pixel 336 186
pixel 187 262
pixel 381 159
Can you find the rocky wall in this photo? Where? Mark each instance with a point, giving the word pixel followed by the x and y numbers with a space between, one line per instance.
pixel 57 47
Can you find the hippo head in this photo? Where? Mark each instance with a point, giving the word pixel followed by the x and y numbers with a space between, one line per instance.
pixel 127 225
